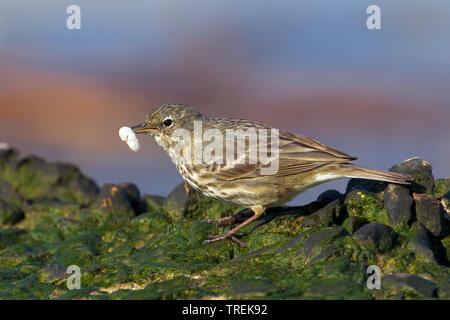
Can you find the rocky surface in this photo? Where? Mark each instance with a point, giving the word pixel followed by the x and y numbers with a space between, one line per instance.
pixel 133 246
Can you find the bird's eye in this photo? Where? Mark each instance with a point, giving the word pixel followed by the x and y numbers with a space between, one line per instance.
pixel 168 122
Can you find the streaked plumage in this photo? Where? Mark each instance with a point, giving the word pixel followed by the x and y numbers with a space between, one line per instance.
pixel 303 162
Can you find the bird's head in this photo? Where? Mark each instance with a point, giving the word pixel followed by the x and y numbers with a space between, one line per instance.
pixel 166 119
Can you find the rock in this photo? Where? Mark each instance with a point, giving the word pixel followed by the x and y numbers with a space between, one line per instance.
pixel 446 205
pixel 8 237
pixel 444 291
pixel 8 193
pixel 366 185
pixel 431 214
pixel 406 281
pixel 7 155
pixel 352 224
pixel 10 214
pixel 53 273
pixel 35 179
pixel 366 205
pixel 184 201
pixel 398 203
pixel 134 197
pixel 153 202
pixel 421 172
pixel 114 200
pixel 380 236
pixel 321 239
pixel 427 246
pixel 84 189
pixel 442 188
pixel 330 196
pixel 325 216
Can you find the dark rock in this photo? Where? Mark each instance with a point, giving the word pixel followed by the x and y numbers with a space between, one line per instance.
pixel 442 188
pixel 114 199
pixel 321 239
pixel 366 185
pixel 10 236
pixel 134 197
pixel 427 246
pixel 178 198
pixel 325 216
pixel 330 196
pixel 84 189
pixel 7 155
pixel 381 236
pixel 8 193
pixel 53 273
pixel 352 224
pixel 421 172
pixel 398 203
pixel 444 291
pixel 431 214
pixel 446 206
pixel 10 214
pixel 184 201
pixel 406 281
pixel 35 179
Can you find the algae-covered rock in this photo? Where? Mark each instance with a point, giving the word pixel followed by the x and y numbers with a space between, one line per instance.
pixel 10 214
pixel 35 179
pixel 134 197
pixel 430 213
pixel 184 201
pixel 421 172
pixel 352 224
pixel 366 205
pixel 115 200
pixel 365 185
pixel 378 235
pixel 398 204
pixel 326 216
pixel 444 291
pixel 153 202
pixel 133 247
pixel 426 245
pixel 319 242
pixel 409 285
pixel 442 188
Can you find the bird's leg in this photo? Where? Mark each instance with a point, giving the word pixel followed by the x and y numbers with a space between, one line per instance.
pixel 258 211
pixel 240 216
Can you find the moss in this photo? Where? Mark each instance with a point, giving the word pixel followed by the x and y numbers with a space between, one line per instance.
pixel 366 205
pixel 442 188
pixel 161 254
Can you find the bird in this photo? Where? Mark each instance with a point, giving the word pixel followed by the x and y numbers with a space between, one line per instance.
pixel 302 162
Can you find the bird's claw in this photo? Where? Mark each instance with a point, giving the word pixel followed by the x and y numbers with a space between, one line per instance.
pixel 214 238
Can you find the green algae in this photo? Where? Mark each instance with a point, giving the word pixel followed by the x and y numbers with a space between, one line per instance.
pixel 161 254
pixel 366 205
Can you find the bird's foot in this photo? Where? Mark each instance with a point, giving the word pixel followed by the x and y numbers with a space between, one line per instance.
pixel 227 235
pixel 257 210
pixel 241 216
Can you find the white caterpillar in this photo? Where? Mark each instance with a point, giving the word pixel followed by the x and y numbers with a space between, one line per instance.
pixel 128 135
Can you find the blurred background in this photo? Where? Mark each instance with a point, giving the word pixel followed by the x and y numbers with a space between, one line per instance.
pixel 310 67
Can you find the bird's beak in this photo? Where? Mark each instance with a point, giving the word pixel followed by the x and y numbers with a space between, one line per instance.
pixel 143 128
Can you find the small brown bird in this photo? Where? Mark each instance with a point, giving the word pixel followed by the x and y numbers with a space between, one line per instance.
pixel 233 176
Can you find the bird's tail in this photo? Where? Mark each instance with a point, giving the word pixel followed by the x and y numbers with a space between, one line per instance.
pixel 354 171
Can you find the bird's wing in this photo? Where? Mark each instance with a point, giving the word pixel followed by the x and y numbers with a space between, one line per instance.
pixel 296 154
pixel 299 154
